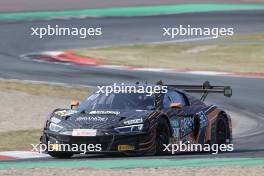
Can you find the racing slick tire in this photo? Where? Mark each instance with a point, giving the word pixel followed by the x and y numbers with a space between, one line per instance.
pixel 60 155
pixel 162 136
pixel 222 132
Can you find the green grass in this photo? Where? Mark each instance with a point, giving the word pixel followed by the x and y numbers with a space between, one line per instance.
pixel 257 37
pixel 45 89
pixel 243 57
pixel 19 140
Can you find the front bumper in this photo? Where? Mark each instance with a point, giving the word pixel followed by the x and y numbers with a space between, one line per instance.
pixel 123 143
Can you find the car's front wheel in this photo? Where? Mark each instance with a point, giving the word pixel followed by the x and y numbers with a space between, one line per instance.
pixel 162 136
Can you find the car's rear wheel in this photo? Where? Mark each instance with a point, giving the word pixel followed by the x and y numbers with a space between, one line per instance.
pixel 162 136
pixel 61 155
pixel 222 131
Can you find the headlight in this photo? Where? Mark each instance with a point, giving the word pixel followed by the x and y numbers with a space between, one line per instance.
pixel 54 127
pixel 55 120
pixel 131 128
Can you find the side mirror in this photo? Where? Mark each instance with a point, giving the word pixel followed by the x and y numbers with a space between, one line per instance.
pixel 176 105
pixel 74 104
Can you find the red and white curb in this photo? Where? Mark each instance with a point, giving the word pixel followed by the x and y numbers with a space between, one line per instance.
pixel 69 58
pixel 14 155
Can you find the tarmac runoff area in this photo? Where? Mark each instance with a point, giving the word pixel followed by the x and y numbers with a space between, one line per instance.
pixel 239 166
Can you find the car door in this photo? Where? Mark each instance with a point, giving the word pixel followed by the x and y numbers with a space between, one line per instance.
pixel 187 123
pixel 181 120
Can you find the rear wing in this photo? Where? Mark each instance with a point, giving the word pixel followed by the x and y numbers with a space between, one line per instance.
pixel 205 88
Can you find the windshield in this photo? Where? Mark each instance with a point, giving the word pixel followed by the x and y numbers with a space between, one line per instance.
pixel 116 101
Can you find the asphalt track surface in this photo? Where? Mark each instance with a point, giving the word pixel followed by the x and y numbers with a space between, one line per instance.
pixel 248 93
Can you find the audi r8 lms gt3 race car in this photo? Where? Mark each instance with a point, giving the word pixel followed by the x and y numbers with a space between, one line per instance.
pixel 138 123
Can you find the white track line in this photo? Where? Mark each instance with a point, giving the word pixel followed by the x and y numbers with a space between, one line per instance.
pixel 23 154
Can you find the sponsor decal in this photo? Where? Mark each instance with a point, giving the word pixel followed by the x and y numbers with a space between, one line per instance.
pixel 186 126
pixel 175 127
pixel 54 147
pixel 104 112
pixel 203 119
pixel 84 132
pixel 133 121
pixel 176 132
pixel 90 118
pixel 126 147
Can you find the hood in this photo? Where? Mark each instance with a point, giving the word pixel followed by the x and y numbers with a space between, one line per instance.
pixel 71 119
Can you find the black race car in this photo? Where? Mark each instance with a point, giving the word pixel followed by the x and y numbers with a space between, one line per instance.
pixel 137 123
